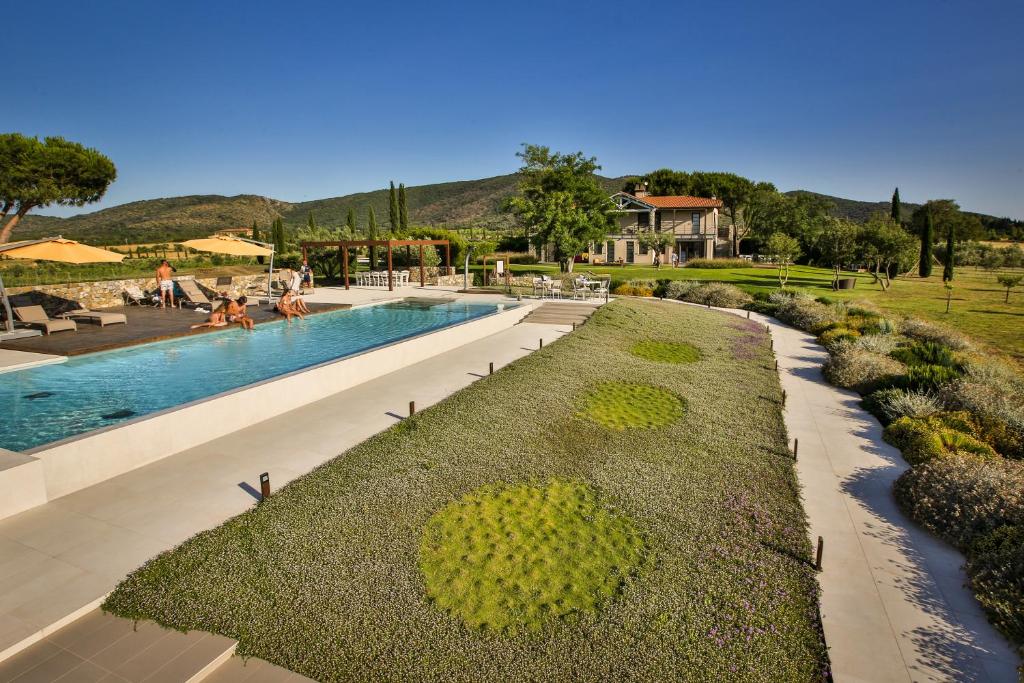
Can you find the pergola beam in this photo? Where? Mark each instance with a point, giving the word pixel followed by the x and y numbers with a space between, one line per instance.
pixel 345 245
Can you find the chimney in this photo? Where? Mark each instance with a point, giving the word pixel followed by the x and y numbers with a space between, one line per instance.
pixel 640 190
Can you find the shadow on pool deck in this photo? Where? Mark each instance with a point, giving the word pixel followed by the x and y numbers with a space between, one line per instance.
pixel 145 324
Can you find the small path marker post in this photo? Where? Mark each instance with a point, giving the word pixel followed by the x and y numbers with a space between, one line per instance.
pixel 490 370
pixel 796 447
pixel 821 549
pixel 264 486
pixel 412 408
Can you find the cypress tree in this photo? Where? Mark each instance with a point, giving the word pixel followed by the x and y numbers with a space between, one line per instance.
pixel 311 222
pixel 371 234
pixel 255 231
pixel 897 209
pixel 947 272
pixel 350 220
pixel 278 236
pixel 393 208
pixel 403 210
pixel 924 267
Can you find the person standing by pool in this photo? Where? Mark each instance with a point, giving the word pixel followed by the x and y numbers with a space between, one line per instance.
pixel 165 283
pixel 307 274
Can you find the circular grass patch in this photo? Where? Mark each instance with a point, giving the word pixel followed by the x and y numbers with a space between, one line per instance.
pixel 665 351
pixel 511 557
pixel 620 405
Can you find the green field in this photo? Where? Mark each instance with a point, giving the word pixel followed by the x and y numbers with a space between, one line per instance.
pixel 508 534
pixel 977 308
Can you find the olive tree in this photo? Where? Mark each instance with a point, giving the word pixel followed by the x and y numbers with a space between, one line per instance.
pixel 784 249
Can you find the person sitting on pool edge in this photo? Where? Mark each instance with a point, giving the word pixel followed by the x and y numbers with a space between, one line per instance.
pixel 217 318
pixel 286 307
pixel 295 288
pixel 235 313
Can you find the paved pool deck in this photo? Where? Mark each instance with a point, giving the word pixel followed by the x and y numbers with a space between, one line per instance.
pixel 894 601
pixel 59 560
pixel 11 360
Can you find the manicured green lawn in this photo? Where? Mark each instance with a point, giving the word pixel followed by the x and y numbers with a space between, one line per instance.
pixel 504 534
pixel 978 308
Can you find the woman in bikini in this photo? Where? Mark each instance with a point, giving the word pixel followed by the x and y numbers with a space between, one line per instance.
pixel 287 309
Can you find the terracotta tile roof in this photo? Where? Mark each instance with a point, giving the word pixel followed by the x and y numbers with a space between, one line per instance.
pixel 682 202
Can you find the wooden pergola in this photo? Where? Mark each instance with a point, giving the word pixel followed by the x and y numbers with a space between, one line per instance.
pixel 345 245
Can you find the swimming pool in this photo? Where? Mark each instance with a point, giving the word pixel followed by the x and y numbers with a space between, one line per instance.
pixel 54 402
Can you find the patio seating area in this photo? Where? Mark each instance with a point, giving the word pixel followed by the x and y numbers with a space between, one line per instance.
pixel 379 278
pixel 144 324
pixel 582 288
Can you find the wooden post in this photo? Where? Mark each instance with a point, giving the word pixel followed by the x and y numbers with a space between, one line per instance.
pixel 391 280
pixel 344 264
pixel 304 252
pixel 447 257
pixel 422 279
pixel 490 370
pixel 541 342
pixel 796 447
pixel 264 486
pixel 748 315
pixel 412 408
pixel 821 550
pixel 783 391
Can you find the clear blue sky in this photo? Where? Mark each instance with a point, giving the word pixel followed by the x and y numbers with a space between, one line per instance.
pixel 306 100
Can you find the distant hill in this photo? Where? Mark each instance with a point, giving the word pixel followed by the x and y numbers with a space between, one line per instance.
pixel 459 204
pixel 856 210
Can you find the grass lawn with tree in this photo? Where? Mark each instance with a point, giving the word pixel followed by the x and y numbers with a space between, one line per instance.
pixel 980 307
pixel 519 530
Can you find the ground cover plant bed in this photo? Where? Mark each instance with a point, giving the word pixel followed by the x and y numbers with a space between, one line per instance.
pixel 698 565
pixel 666 351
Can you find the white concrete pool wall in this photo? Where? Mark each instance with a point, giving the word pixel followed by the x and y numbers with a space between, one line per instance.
pixel 79 462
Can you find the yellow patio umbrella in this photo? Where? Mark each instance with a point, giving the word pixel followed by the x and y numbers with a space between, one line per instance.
pixel 52 249
pixel 59 249
pixel 235 246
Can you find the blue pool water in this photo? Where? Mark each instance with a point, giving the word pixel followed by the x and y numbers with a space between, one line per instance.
pixel 53 402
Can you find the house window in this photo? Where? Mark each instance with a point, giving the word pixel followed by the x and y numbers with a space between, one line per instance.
pixel 723 233
pixel 643 220
pixel 643 248
pixel 599 248
pixel 657 221
pixel 695 219
pixel 611 250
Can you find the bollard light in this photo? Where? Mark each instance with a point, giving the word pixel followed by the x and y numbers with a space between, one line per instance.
pixel 821 549
pixel 412 408
pixel 265 485
pixel 796 447
pixel 490 370
pixel 541 342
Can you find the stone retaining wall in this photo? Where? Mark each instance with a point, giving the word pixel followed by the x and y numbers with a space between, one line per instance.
pixel 109 293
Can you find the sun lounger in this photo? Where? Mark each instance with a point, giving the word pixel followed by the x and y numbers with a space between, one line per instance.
pixel 101 317
pixel 193 294
pixel 35 316
pixel 133 295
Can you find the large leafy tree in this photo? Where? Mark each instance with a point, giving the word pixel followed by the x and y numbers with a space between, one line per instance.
pixel 785 249
pixel 837 243
pixel 560 202
pixel 36 174
pixel 663 182
pixel 946 214
pixel 886 246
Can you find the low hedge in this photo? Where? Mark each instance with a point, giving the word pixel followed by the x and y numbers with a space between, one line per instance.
pixel 718 263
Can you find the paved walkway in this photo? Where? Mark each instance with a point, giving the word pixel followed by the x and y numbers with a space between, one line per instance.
pixel 11 360
pixel 894 604
pixel 63 557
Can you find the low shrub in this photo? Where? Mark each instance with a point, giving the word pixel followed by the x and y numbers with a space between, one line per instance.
pixel 929 377
pixel 629 289
pixel 680 289
pixel 837 333
pixel 877 343
pixel 925 353
pixel 803 311
pixel 963 497
pixel 994 395
pixel 978 505
pixel 719 294
pixel 922 330
pixel 763 307
pixel 863 371
pixel 896 403
pixel 995 565
pixel 718 263
pixel 524 259
pixel 923 439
